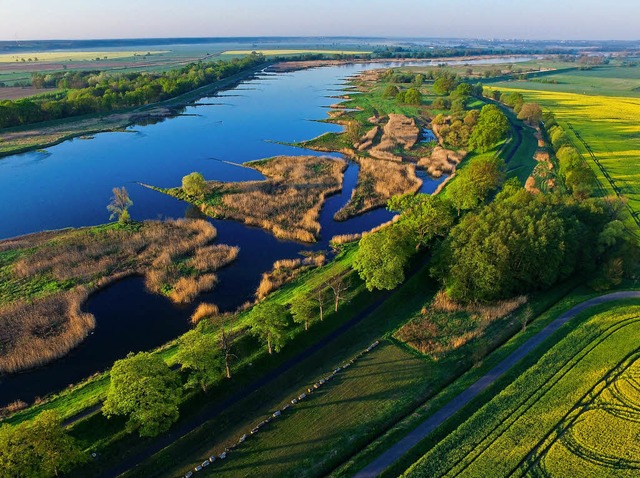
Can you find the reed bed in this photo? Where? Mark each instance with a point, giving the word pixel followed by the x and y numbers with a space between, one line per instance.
pixel 444 325
pixel 400 131
pixel 287 203
pixel 47 278
pixel 378 182
pixel 285 271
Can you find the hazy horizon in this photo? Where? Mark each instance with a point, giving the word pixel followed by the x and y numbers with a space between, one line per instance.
pixel 490 19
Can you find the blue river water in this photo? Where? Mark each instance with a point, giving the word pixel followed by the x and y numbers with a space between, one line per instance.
pixel 69 185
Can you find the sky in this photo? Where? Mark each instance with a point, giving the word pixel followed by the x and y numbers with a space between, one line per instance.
pixel 530 19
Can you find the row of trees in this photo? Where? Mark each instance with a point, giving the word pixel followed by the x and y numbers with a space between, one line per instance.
pixel 102 92
pixel 149 392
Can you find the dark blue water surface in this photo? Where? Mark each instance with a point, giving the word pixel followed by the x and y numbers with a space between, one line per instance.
pixel 70 185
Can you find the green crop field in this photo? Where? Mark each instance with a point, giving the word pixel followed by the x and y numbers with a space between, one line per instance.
pixel 603 80
pixel 574 413
pixel 606 126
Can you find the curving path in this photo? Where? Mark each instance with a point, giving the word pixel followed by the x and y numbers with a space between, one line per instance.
pixel 403 446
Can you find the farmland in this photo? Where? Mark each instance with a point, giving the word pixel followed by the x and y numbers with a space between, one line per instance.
pixel 608 127
pixel 575 406
pixel 285 52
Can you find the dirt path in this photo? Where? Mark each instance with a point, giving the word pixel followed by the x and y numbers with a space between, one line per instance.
pixel 403 446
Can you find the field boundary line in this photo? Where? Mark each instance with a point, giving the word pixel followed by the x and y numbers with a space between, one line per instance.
pixel 522 408
pixel 424 429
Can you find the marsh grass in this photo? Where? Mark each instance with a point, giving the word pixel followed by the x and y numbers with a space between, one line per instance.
pixel 284 271
pixel 378 182
pixel 444 325
pixel 46 278
pixel 287 203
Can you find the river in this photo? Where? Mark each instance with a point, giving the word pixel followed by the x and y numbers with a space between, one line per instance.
pixel 69 185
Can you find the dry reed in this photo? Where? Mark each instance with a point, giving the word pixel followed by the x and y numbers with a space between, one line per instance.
pixel 288 202
pixel 285 271
pixel 47 322
pixel 378 182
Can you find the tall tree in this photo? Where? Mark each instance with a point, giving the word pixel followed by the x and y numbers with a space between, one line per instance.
pixel 41 448
pixel 492 128
pixel 270 321
pixel 119 205
pixel 425 215
pixel 194 185
pixel 145 389
pixel 198 353
pixel 303 310
pixel 383 256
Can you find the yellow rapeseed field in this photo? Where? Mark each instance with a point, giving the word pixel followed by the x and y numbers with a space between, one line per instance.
pixel 610 125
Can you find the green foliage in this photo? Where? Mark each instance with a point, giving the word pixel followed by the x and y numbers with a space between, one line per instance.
pixel 119 205
pixel 383 256
pixel 199 354
pixel 473 183
pixel 93 92
pixel 492 128
pixel 145 389
pixel 518 243
pixel 427 217
pixel 194 185
pixel 412 97
pixel 444 85
pixel 390 91
pixel 270 323
pixel 304 310
pixel 41 448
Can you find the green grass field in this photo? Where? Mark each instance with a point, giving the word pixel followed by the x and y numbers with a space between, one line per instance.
pixel 602 80
pixel 310 436
pixel 573 413
pixel 598 109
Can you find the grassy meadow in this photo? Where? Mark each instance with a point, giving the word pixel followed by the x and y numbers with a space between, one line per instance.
pixel 575 406
pixel 49 56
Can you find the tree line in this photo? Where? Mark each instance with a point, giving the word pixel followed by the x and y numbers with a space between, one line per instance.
pixel 101 92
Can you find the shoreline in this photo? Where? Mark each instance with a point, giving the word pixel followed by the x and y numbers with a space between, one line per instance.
pixel 116 121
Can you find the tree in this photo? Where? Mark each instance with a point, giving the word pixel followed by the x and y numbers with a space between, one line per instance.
pixel 390 91
pixel 412 97
pixel 492 128
pixel 339 285
pixel 199 354
pixel 531 113
pixel 427 216
pixel 518 243
pixel 145 389
pixel 119 205
pixel 444 85
pixel 41 448
pixel 319 297
pixel 473 183
pixel 382 257
pixel 269 322
pixel 194 185
pixel 303 310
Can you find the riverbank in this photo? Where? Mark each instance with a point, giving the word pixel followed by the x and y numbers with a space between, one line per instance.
pixel 44 135
pixel 47 278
